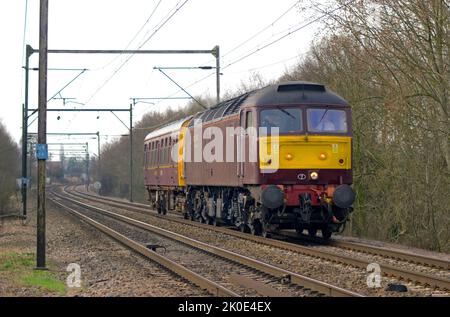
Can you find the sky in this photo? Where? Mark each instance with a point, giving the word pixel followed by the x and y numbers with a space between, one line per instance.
pixel 242 29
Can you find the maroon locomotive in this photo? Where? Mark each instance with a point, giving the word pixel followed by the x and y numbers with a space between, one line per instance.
pixel 274 158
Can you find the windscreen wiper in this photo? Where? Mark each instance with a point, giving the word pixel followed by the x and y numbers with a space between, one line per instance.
pixel 284 111
pixel 323 116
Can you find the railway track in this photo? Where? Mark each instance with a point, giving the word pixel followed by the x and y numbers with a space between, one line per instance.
pixel 251 276
pixel 388 270
pixel 198 280
pixel 400 255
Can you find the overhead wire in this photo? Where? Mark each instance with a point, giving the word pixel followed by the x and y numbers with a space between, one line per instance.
pixel 289 33
pixel 131 55
pixel 275 35
pixel 243 43
pixel 262 30
pixel 133 38
pixel 267 65
pixel 163 22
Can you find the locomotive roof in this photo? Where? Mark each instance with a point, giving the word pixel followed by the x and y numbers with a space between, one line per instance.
pixel 293 92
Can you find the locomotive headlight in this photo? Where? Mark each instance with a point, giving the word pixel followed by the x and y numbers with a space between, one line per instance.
pixel 289 157
pixel 314 175
pixel 322 156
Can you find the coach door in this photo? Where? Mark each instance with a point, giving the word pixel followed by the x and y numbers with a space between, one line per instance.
pixel 158 162
pixel 246 153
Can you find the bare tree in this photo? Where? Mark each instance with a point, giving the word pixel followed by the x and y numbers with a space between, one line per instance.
pixel 411 40
pixel 9 158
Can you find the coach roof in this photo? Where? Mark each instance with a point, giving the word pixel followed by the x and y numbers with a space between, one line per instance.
pixel 173 127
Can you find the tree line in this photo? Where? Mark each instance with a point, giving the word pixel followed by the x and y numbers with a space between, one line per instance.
pixel 9 171
pixel 390 60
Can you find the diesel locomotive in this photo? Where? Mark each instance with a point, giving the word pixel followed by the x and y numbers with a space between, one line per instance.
pixel 275 158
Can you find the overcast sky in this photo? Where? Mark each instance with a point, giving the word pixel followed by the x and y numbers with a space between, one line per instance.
pixel 112 24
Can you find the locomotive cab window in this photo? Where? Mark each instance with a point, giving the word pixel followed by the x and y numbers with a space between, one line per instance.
pixel 288 120
pixel 249 120
pixel 327 120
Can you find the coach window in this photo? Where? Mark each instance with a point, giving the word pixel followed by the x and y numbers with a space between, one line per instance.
pixel 145 155
pixel 162 157
pixel 156 153
pixel 151 154
pixel 164 160
pixel 150 147
pixel 163 151
pixel 169 142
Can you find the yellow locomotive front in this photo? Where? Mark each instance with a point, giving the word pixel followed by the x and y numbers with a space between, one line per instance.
pixel 305 163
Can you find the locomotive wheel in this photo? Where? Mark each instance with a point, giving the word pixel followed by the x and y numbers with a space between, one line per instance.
pixel 255 228
pixel 162 208
pixel 264 230
pixel 299 230
pixel 312 232
pixel 326 233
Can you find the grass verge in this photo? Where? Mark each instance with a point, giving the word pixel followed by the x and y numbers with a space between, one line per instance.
pixel 18 270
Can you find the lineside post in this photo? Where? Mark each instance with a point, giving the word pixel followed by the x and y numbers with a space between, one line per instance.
pixel 42 134
pixel 216 53
pixel 25 182
pixel 131 149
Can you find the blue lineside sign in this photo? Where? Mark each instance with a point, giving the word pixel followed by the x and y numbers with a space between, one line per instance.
pixel 42 151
